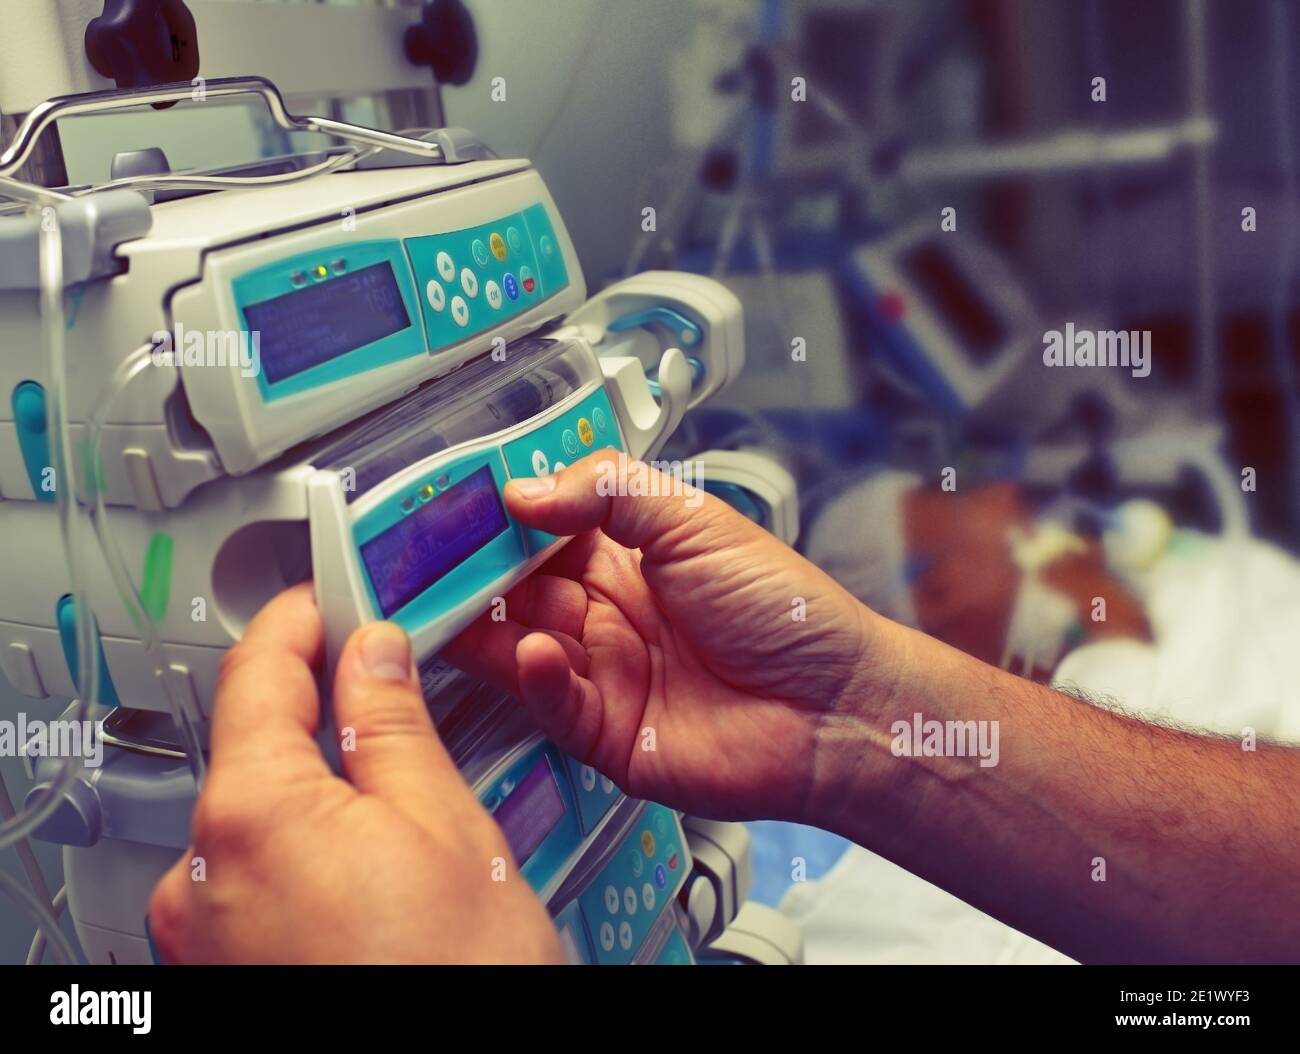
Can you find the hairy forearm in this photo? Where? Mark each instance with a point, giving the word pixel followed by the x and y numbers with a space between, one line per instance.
pixel 1104 836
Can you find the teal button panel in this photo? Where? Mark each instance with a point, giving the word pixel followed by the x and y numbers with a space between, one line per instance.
pixel 675 952
pixel 30 420
pixel 591 425
pixel 329 314
pixel 573 934
pixel 622 903
pixel 65 617
pixel 417 557
pixel 474 279
pixel 596 794
pixel 533 802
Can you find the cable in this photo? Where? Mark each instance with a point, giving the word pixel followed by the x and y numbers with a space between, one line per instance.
pixel 1278 349
pixel 37 950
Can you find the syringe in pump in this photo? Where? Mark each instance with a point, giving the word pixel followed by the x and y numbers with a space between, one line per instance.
pixel 399 516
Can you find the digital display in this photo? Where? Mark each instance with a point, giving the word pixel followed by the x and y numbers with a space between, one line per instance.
pixel 531 811
pixel 410 556
pixel 959 303
pixel 310 326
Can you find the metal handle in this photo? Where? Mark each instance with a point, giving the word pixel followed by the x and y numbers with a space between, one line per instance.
pixel 45 114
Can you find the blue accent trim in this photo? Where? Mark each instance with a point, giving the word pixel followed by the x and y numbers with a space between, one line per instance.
pixel 550 440
pixel 538 258
pixel 899 348
pixel 32 423
pixel 685 329
pixel 740 499
pixel 494 561
pixel 277 279
pixel 559 844
pixel 658 861
pixel 592 804
pixel 65 617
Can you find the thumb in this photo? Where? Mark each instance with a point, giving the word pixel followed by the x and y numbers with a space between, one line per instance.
pixel 634 504
pixel 389 747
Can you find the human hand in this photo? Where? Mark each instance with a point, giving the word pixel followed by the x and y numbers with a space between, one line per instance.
pixel 679 648
pixel 392 862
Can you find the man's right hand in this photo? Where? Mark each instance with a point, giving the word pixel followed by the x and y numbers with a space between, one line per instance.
pixel 678 647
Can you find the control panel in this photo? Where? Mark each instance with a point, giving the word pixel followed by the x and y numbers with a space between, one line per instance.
pixel 471 280
pixel 622 903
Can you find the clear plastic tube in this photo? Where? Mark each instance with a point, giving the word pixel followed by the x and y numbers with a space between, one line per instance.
pixel 15 829
pixel 134 364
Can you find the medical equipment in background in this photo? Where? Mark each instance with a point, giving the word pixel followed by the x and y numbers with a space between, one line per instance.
pixel 421 337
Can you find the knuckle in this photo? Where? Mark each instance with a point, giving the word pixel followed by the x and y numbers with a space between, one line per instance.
pixel 225 820
pixel 392 713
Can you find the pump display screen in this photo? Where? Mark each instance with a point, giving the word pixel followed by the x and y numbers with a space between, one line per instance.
pixel 419 549
pixel 531 811
pixel 318 323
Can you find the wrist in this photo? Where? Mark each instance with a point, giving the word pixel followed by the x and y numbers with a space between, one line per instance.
pixel 853 766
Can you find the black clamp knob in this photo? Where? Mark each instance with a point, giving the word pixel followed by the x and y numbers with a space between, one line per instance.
pixel 445 40
pixel 140 43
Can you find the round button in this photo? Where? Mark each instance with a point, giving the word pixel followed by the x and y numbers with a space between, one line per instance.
pixel 512 237
pixel 637 864
pixel 511 286
pixel 559 465
pixel 611 900
pixel 648 896
pixel 541 467
pixel 570 442
pixel 607 936
pixel 661 876
pixel 497 245
pixel 546 246
pixel 599 419
pixel 493 293
pixel 469 282
pixel 629 900
pixel 585 433
pixel 446 267
pixel 661 824
pixel 435 294
pixel 607 784
pixel 647 843
pixel 479 252
pixel 625 935
pixel 586 774
pixel 527 280
pixel 459 311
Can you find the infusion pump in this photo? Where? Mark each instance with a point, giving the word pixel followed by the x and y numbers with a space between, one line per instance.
pixel 331 378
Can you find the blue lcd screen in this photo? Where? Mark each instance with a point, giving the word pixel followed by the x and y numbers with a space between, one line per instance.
pixel 310 326
pixel 530 812
pixel 410 556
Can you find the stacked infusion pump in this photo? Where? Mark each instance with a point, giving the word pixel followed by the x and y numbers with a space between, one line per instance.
pixel 330 374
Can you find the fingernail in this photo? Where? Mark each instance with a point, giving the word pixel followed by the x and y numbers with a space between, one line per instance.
pixel 535 487
pixel 386 653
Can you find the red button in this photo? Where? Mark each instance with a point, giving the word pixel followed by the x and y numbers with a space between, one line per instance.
pixel 530 284
pixel 892 306
pixel 672 862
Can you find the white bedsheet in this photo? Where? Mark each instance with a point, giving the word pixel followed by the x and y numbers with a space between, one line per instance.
pixel 1226 619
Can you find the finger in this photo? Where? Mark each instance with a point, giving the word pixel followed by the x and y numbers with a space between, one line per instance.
pixel 266 708
pixel 168 909
pixel 548 602
pixel 389 746
pixel 567 707
pixel 487 650
pixel 634 504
